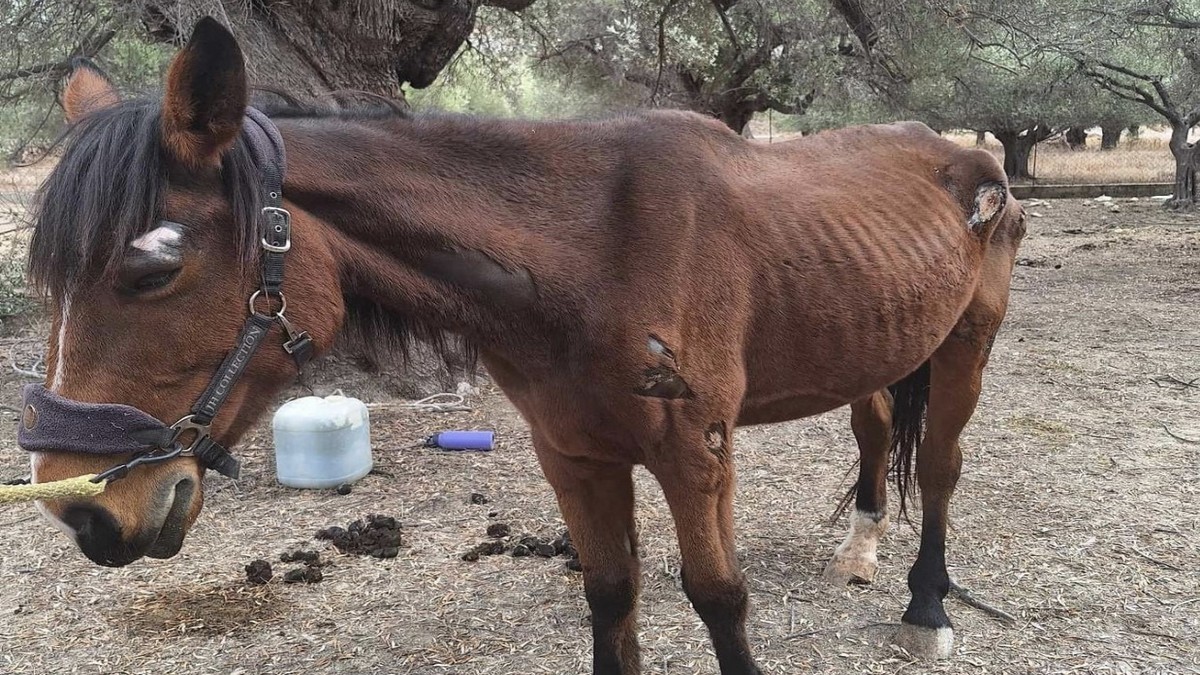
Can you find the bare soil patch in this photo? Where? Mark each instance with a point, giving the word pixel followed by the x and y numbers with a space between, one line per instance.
pixel 1077 513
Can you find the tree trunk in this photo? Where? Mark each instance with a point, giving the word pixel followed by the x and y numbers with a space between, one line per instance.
pixel 1135 131
pixel 1076 138
pixel 310 47
pixel 1187 163
pixel 980 138
pixel 1110 136
pixel 736 117
pixel 1017 147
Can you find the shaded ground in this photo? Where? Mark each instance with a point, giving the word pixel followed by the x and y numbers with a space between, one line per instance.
pixel 1077 512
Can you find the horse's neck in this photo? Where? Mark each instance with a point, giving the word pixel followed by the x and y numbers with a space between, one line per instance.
pixel 411 232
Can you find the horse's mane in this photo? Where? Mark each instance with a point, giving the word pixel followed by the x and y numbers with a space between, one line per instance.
pixel 108 186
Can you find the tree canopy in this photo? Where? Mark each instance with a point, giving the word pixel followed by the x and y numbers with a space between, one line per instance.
pixel 1022 70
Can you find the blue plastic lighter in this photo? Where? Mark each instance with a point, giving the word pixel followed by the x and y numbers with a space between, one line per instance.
pixel 461 440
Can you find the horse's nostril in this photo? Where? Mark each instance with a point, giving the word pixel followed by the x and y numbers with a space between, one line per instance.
pixel 96 532
pixel 184 488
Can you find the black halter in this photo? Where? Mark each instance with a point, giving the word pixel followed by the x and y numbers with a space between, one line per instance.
pixel 52 423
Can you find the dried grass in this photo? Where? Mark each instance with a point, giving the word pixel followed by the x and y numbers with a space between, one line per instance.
pixel 1146 159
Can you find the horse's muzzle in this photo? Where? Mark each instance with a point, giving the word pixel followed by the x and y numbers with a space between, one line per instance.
pixel 102 539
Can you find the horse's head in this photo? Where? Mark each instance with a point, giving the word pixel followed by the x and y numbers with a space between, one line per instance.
pixel 148 244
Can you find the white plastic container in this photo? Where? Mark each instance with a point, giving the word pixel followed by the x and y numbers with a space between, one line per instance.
pixel 322 442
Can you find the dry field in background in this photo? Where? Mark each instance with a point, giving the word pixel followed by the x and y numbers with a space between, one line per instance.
pixel 1077 512
pixel 1146 159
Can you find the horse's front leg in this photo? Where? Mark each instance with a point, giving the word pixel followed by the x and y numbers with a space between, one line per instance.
pixel 596 501
pixel 695 469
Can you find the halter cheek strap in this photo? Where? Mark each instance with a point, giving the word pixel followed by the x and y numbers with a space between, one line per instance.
pixel 52 423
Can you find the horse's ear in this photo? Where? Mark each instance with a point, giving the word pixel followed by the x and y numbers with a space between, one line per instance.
pixel 88 90
pixel 206 96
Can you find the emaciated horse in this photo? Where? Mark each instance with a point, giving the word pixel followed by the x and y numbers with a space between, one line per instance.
pixel 637 286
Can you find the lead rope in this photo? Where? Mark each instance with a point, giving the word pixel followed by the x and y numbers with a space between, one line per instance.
pixel 79 486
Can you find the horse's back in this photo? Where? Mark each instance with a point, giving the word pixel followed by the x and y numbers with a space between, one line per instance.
pixel 858 257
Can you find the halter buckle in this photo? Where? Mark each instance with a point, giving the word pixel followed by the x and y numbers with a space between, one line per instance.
pixel 278 220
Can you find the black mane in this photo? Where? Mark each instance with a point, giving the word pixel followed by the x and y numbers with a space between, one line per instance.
pixel 107 188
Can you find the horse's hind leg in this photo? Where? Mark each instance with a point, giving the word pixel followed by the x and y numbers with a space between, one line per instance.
pixel 956 370
pixel 596 501
pixel 854 560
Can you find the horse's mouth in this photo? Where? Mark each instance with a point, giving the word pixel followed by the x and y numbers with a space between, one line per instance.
pixel 174 527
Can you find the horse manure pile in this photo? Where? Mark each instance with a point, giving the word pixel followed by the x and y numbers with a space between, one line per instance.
pixel 377 536
pixel 501 541
pixel 259 571
pixel 306 575
pixel 310 573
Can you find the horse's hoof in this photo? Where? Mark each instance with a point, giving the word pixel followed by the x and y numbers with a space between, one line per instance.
pixel 924 643
pixel 846 570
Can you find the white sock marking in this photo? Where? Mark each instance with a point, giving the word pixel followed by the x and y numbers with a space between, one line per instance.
pixel 866 529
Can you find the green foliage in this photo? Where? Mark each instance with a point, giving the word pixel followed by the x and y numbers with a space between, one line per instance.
pixel 14 295
pixel 43 37
pixel 487 81
pixel 978 64
pixel 726 59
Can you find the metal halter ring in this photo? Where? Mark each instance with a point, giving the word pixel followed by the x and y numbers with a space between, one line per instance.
pixel 282 303
pixel 184 425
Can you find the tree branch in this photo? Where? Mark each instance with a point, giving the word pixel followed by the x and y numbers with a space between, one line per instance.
pixel 720 7
pixel 798 107
pixel 1149 17
pixel 88 47
pixel 1132 92
pixel 860 23
pixel 662 47
pixel 510 5
pixel 1163 94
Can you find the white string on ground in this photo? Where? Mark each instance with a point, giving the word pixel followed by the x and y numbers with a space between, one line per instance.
pixel 31 372
pixel 443 402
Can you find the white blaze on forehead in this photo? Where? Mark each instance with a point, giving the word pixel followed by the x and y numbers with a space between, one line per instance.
pixel 164 240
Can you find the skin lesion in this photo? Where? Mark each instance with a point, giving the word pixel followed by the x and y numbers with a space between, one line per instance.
pixel 663 380
pixel 716 440
pixel 990 199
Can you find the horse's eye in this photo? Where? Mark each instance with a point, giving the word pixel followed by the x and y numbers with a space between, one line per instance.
pixel 155 280
pixel 143 276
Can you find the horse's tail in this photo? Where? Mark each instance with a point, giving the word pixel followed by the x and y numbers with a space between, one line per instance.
pixel 910 398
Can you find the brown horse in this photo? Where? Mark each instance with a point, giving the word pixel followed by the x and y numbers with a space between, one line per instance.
pixel 637 286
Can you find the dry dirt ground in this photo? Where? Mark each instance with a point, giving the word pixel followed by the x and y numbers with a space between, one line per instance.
pixel 1077 513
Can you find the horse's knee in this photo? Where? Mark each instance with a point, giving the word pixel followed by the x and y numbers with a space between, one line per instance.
pixel 611 597
pixel 717 600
